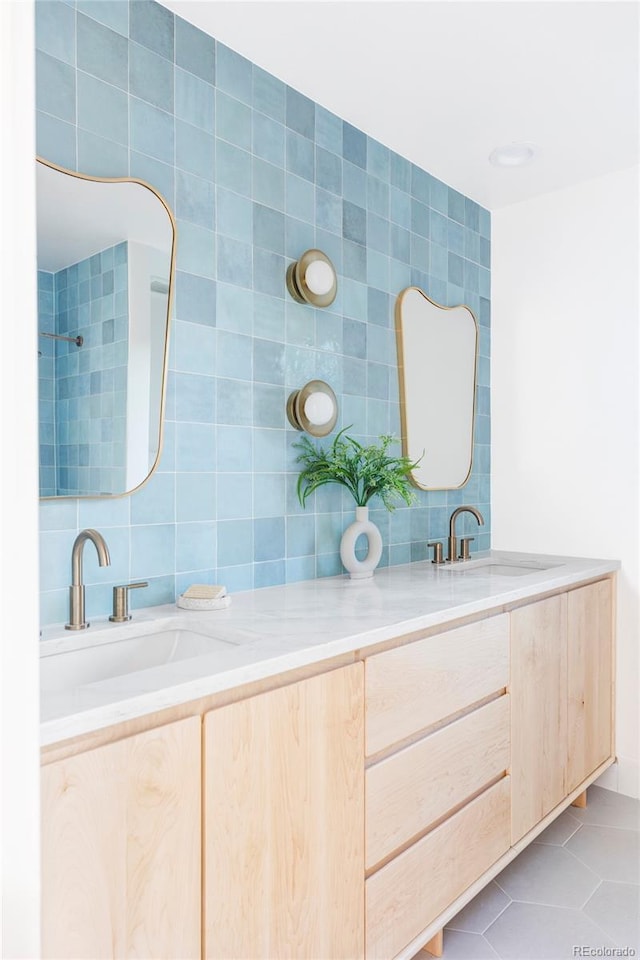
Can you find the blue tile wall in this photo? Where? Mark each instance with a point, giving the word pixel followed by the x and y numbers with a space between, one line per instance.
pixel 83 390
pixel 255 173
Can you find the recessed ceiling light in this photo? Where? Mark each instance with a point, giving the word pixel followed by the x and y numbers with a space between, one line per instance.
pixel 513 155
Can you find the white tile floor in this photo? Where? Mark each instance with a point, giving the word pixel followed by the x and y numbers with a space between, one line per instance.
pixel 576 886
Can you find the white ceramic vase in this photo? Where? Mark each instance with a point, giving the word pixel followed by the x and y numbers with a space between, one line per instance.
pixel 361 569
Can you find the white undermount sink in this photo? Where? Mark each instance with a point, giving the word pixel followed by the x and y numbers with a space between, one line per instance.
pixel 499 567
pixel 91 664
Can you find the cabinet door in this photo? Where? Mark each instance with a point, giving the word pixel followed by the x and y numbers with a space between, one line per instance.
pixel 284 823
pixel 538 711
pixel 590 641
pixel 121 848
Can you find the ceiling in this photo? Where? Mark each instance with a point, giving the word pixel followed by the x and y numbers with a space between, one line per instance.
pixel 444 82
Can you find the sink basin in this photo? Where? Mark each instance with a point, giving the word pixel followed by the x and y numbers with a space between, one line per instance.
pixel 492 567
pixel 66 670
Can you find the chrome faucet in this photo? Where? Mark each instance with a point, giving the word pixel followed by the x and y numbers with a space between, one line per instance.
pixel 76 590
pixel 453 540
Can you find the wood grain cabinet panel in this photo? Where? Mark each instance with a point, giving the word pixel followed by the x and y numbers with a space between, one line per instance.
pixel 409 892
pixel 409 688
pixel 121 849
pixel 409 791
pixel 538 711
pixel 589 672
pixel 284 815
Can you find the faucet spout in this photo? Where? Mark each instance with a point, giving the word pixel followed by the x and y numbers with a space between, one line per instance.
pixel 76 590
pixel 453 540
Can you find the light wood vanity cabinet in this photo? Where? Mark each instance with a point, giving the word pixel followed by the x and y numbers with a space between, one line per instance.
pixel 345 815
pixel 121 848
pixel 283 816
pixel 561 697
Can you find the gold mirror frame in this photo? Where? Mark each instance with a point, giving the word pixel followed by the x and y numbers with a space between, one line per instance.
pixel 165 357
pixel 437 371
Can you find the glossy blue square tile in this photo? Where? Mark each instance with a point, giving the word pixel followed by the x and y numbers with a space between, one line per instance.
pixel 268 94
pixel 196 546
pixel 354 260
pixel 268 362
pixel 354 184
pixel 195 447
pixel 268 272
pixel 152 131
pixel 299 198
pixel 268 317
pixel 269 574
pixel 150 77
pixel 400 207
pixel 195 199
pixel 355 376
pixel 103 109
pixel 235 496
pixel 298 237
pixel 152 25
pixel 328 211
pixel 268 228
pixel 233 73
pixel 268 406
pixel 399 172
pixel 196 250
pixel 269 538
pixel 378 196
pixel 354 338
pixel 437 264
pixel 155 501
pixel 234 402
pixel 300 113
pixel 102 52
pixel 195 496
pixel 111 13
pixel 471 214
pixel 456 206
pixel 485 252
pixel 269 450
pixel 377 233
pixel 55 87
pixel 195 150
pixel 152 550
pixel 235 543
pixel 195 397
pixel 100 157
pixel 195 50
pixel 300 536
pixel 400 243
pixel 300 568
pixel 55 26
pixel 234 215
pixel 233 168
pixel 378 159
pixel 159 175
pixel 234 262
pixel 300 328
pixel 456 269
pixel 268 184
pixel 234 356
pixel 354 299
pixel 300 155
pixel 354 145
pixel 484 223
pixel 195 299
pixel 354 222
pixel 378 307
pixel 234 308
pixel 472 245
pixel 234 447
pixel 328 171
pixel 438 228
pixel 328 133
pixel 471 276
pixel 233 120
pixel 455 237
pixel 194 100
pixel 269 495
pixel 195 347
pixel 268 138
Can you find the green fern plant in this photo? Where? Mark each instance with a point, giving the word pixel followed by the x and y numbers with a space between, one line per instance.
pixel 366 471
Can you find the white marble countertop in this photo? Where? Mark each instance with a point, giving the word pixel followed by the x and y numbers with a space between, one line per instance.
pixel 272 630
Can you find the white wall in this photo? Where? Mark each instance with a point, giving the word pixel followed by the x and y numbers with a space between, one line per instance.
pixel 565 397
pixel 18 488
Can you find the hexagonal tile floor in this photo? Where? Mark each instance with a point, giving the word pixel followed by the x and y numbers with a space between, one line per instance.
pixel 574 892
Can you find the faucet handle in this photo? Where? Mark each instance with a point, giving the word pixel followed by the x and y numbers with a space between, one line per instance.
pixel 437 551
pixel 464 547
pixel 121 600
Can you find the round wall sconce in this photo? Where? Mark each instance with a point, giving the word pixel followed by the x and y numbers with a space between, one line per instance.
pixel 312 279
pixel 313 409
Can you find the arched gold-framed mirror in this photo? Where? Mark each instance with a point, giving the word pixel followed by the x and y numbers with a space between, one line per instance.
pixel 106 267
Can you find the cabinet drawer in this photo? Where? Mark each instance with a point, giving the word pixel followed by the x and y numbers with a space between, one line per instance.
pixel 409 892
pixel 412 687
pixel 410 790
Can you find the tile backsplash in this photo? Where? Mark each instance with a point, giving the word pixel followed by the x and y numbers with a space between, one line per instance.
pixel 255 173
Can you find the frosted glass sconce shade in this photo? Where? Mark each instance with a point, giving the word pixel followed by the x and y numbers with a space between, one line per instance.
pixel 313 409
pixel 312 279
